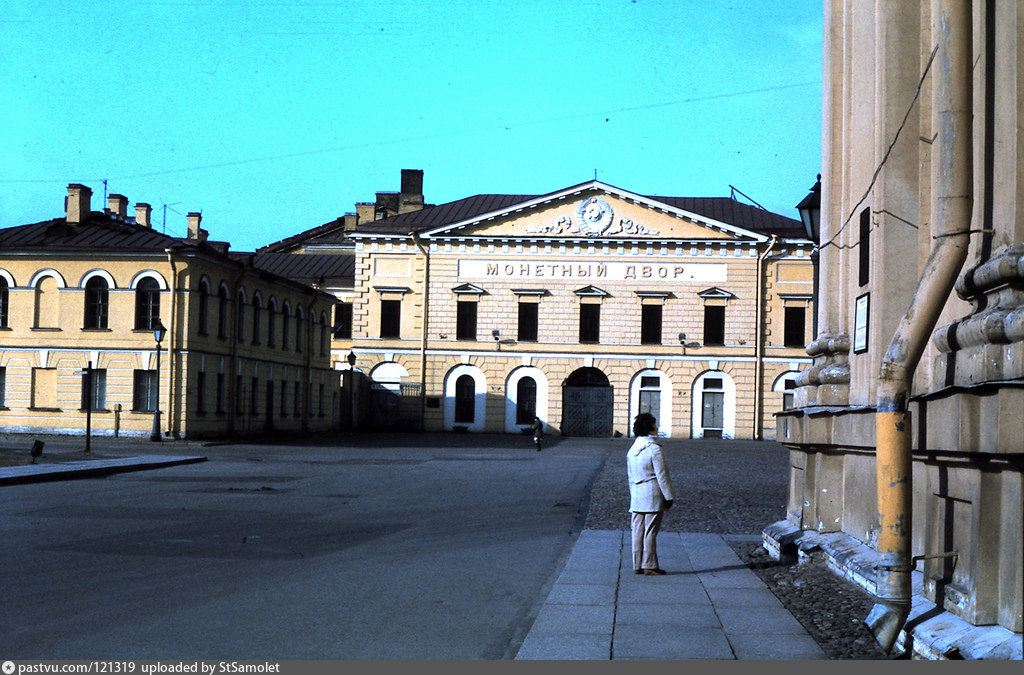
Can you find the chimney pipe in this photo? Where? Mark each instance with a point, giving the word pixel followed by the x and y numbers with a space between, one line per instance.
pixel 77 203
pixel 194 231
pixel 118 205
pixel 142 213
pixel 411 196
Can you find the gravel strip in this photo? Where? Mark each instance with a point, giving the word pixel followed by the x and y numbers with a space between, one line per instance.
pixel 737 488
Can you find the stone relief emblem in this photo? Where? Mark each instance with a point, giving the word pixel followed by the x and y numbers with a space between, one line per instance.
pixel 593 216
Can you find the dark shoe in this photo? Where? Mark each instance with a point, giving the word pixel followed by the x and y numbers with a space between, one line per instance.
pixel 638 571
pixel 654 572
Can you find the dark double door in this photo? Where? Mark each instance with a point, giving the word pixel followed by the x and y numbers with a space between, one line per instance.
pixel 587 404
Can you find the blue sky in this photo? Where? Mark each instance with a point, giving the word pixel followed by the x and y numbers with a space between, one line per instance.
pixel 274 117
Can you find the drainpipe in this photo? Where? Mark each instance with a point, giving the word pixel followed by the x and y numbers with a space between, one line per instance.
pixel 759 339
pixel 954 202
pixel 171 398
pixel 423 326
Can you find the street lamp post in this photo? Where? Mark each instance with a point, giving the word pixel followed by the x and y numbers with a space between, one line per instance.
pixel 351 358
pixel 158 334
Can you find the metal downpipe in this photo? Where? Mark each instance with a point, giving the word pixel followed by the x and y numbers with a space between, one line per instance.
pixel 954 202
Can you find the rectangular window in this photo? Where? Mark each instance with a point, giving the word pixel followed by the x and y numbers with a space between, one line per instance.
pixel 144 391
pixel 528 312
pixel 714 325
pixel 864 248
pixel 239 395
pixel 465 320
pixel 94 389
pixel 3 387
pixel 390 318
pixel 787 394
pixel 320 402
pixel 220 392
pixel 201 392
pixel 297 405
pixel 343 321
pixel 794 328
pixel 44 388
pixel 284 398
pixel 590 323
pixel 254 406
pixel 650 324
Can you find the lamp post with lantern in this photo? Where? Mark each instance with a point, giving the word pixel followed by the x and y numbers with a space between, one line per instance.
pixel 158 334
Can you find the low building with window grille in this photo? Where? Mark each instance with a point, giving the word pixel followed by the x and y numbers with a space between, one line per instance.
pixel 582 307
pixel 81 296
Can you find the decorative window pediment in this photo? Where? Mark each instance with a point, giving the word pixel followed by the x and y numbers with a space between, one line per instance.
pixel 468 289
pixel 591 291
pixel 538 292
pixel 716 293
pixel 401 290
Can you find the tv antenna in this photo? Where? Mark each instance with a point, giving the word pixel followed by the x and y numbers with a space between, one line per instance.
pixel 735 191
pixel 163 228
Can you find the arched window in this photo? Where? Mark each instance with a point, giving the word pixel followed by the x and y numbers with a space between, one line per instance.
pixel 526 400
pixel 300 317
pixel 97 303
pixel 240 317
pixel 4 302
pixel 465 399
pixel 222 312
pixel 257 307
pixel 286 315
pixel 271 322
pixel 204 307
pixel 147 304
pixel 324 338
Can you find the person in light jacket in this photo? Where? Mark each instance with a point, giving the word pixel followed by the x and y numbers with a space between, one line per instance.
pixel 650 493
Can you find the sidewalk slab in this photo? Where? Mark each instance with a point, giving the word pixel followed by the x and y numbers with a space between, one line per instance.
pixel 89 468
pixel 708 606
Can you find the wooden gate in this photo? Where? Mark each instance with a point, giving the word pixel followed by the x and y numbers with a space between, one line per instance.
pixel 587 411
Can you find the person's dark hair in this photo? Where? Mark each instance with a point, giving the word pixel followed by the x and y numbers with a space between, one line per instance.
pixel 644 424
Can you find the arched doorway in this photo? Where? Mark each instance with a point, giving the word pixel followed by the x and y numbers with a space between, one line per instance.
pixel 465 398
pixel 587 404
pixel 714 406
pixel 385 395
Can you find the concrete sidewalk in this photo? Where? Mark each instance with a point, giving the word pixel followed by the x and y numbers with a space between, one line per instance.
pixel 708 606
pixel 88 468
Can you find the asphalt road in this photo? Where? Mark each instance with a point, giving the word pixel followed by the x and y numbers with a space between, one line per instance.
pixel 378 550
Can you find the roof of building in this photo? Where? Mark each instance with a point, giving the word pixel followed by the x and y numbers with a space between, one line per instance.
pixel 721 209
pixel 309 268
pixel 102 233
pixel 99 232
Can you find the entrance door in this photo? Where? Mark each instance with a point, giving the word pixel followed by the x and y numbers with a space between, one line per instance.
pixel 713 409
pixel 587 404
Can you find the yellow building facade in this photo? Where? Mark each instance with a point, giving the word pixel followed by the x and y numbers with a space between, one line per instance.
pixel 582 307
pixel 81 296
pixel 907 440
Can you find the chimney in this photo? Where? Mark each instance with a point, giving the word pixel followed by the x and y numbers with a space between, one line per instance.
pixel 118 205
pixel 194 231
pixel 77 203
pixel 142 213
pixel 364 212
pixel 411 197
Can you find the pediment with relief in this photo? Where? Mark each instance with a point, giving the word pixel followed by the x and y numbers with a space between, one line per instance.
pixel 595 214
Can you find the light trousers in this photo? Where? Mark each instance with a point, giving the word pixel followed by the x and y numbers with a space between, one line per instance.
pixel 645 533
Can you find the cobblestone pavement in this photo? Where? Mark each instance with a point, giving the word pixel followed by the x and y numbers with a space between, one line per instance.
pixel 737 488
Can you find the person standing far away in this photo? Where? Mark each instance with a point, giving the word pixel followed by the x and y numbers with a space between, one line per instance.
pixel 650 493
pixel 538 431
